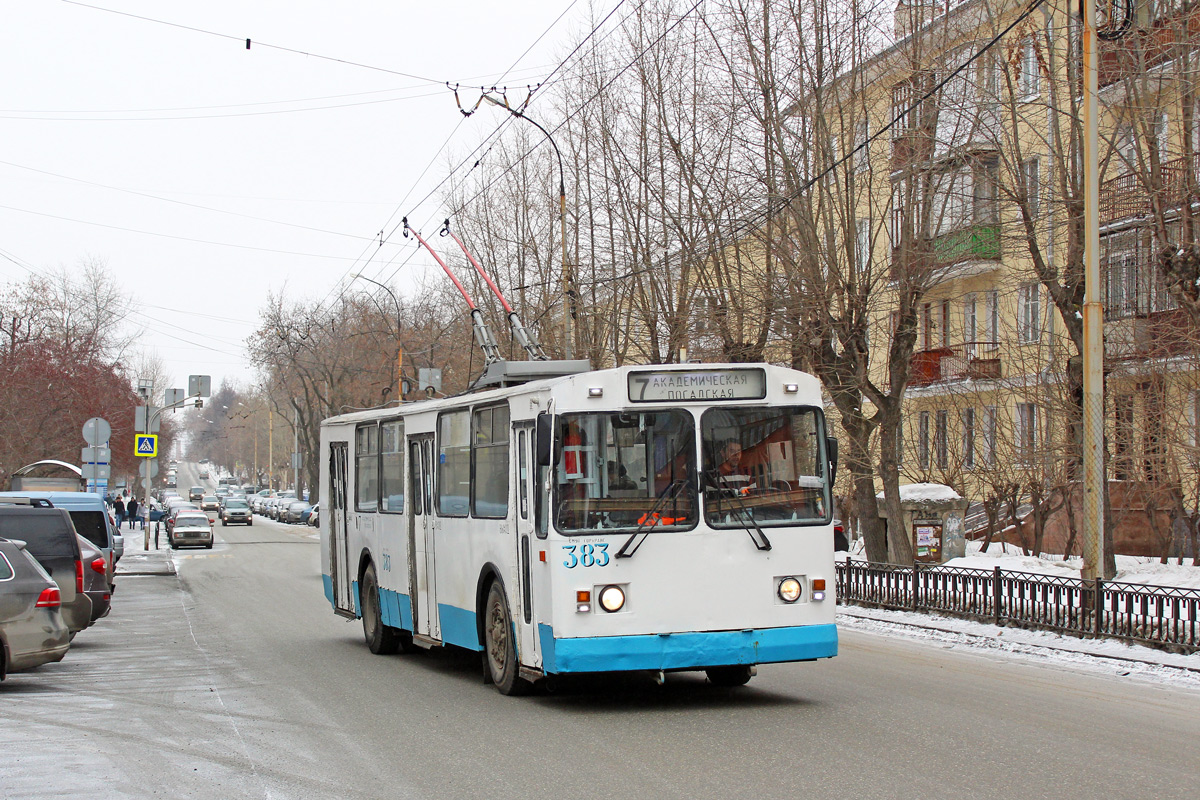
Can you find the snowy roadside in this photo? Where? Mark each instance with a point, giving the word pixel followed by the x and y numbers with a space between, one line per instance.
pixel 1099 656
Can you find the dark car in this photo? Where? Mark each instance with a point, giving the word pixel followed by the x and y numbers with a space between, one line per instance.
pixel 50 537
pixel 195 493
pixel 95 579
pixel 236 511
pixel 32 630
pixel 295 511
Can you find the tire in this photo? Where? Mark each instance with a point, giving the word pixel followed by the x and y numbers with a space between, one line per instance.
pixel 208 546
pixel 499 649
pixel 250 522
pixel 737 675
pixel 223 523
pixel 381 640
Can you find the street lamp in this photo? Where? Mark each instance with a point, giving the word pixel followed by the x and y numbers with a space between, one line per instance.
pixel 399 347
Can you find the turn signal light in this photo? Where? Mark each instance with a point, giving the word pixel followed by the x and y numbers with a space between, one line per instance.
pixel 818 589
pixel 583 600
pixel 49 598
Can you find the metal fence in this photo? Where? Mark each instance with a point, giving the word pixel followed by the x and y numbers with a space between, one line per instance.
pixel 1160 616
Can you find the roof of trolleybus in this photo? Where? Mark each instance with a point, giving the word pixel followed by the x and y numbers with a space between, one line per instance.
pixel 620 387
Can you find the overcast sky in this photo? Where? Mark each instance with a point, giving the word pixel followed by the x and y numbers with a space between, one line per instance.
pixel 206 175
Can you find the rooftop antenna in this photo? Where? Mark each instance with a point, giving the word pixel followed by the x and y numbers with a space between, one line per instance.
pixel 522 335
pixel 483 336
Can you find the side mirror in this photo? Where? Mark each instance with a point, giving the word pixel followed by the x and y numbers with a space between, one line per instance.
pixel 545 438
pixel 831 446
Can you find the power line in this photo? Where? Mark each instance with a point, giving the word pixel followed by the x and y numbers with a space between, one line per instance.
pixel 248 40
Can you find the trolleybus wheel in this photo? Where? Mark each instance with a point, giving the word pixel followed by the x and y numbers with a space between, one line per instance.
pixel 381 640
pixel 738 675
pixel 500 652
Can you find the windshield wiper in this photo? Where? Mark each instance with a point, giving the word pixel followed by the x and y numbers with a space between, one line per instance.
pixel 756 535
pixel 651 518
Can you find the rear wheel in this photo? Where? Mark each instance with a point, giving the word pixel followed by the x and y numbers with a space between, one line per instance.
pixel 381 640
pixel 500 652
pixel 738 675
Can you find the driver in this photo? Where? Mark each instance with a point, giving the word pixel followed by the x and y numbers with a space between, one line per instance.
pixel 729 473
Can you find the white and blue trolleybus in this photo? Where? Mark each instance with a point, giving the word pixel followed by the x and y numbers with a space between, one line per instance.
pixel 659 518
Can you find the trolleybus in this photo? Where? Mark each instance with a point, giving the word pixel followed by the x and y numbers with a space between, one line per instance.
pixel 659 518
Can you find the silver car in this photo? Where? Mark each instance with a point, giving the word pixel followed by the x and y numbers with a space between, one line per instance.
pixel 32 630
pixel 191 529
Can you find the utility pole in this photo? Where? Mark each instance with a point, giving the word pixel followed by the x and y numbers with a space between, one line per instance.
pixel 270 447
pixel 1093 311
pixel 296 450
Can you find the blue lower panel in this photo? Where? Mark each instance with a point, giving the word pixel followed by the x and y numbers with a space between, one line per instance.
pixel 686 650
pixel 396 609
pixel 458 627
pixel 328 581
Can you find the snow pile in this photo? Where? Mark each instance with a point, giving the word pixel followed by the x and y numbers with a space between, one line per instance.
pixel 919 492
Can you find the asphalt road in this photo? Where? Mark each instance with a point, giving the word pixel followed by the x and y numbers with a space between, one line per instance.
pixel 234 679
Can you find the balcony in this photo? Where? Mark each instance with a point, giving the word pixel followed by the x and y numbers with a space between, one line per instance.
pixel 952 253
pixel 1142 50
pixel 1127 195
pixel 1158 334
pixel 969 360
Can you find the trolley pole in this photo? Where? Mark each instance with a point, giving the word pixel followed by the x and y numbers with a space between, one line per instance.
pixel 1093 313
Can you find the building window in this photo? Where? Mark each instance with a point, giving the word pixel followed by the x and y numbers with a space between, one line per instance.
pixel 968 438
pixel 862 244
pixel 1029 313
pixel 944 323
pixel 1033 186
pixel 1162 137
pixel 1027 431
pixel 862 151
pixel 940 436
pixel 992 301
pixel 1121 281
pixel 1030 79
pixel 923 439
pixel 1123 437
pixel 989 436
pixel 969 324
pixel 985 194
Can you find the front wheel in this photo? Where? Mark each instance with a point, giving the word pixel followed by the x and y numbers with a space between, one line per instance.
pixel 738 675
pixel 381 640
pixel 500 650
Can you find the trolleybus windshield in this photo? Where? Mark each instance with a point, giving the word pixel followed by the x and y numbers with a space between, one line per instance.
pixel 763 466
pixel 626 471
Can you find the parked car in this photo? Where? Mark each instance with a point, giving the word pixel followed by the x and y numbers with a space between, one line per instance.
pixel 95 579
pixel 32 630
pixel 314 516
pixel 90 516
pixel 236 511
pixel 50 537
pixel 191 529
pixel 295 511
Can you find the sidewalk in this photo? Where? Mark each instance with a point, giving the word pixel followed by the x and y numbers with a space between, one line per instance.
pixel 1109 656
pixel 137 561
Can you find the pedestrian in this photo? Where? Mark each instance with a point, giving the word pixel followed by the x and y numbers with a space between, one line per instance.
pixel 119 508
pixel 131 510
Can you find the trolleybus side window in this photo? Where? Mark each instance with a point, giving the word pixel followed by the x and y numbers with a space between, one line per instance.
pixel 415 470
pixel 454 463
pixel 366 468
pixel 391 478
pixel 489 463
pixel 764 466
pixel 626 471
pixel 523 474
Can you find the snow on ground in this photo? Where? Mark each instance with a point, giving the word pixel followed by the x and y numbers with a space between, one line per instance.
pixel 1130 569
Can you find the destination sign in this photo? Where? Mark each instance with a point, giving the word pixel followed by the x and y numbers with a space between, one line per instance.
pixel 697 385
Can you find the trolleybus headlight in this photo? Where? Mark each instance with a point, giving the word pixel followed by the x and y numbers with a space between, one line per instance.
pixel 612 598
pixel 789 590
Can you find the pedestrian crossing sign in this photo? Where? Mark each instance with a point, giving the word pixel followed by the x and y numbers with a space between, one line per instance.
pixel 145 445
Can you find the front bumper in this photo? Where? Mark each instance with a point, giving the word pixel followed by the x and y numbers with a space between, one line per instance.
pixel 689 650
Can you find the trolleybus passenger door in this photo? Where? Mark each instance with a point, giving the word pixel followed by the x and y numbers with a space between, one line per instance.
pixel 339 556
pixel 420 538
pixel 523 616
